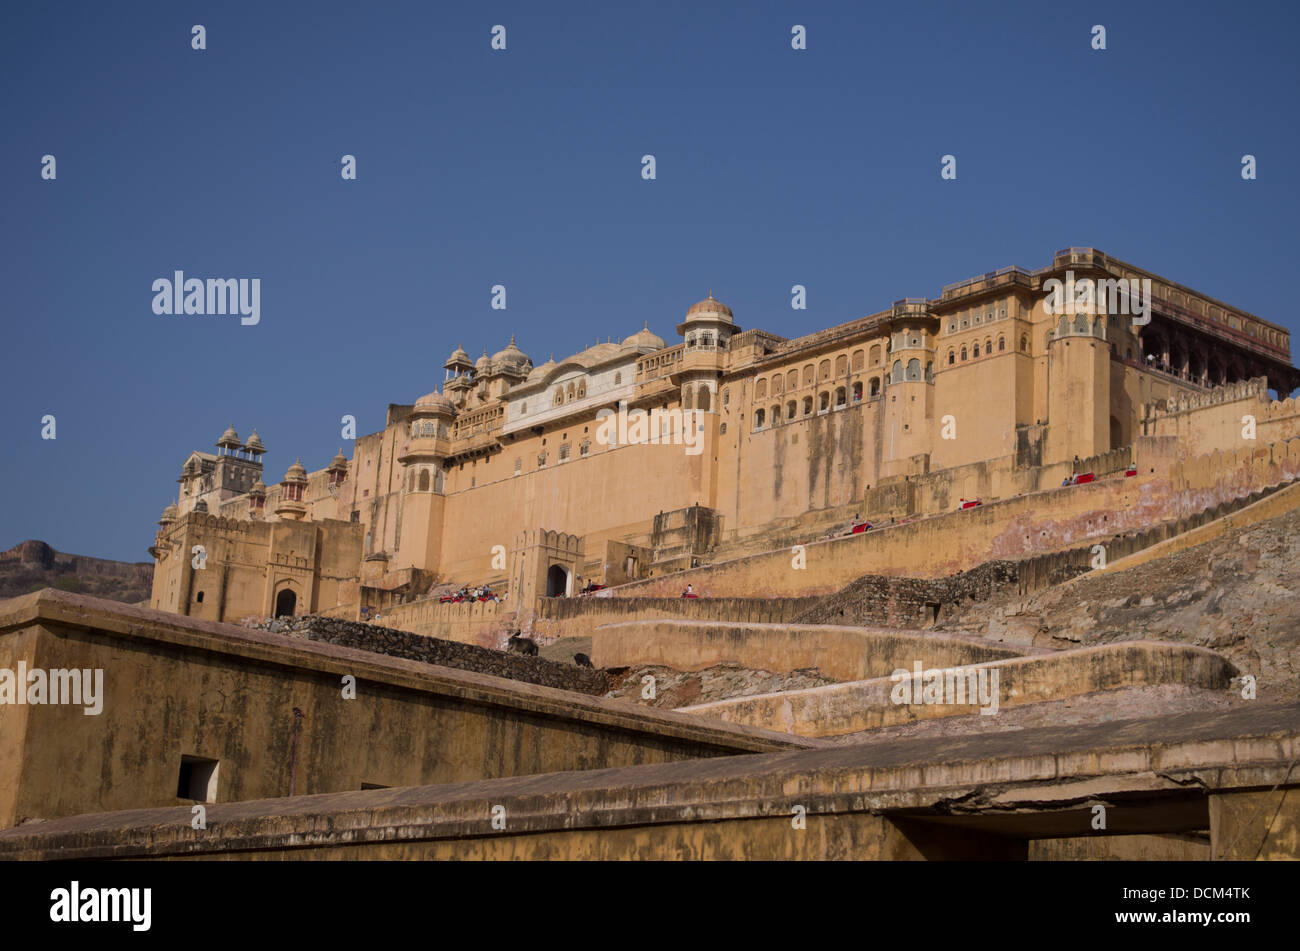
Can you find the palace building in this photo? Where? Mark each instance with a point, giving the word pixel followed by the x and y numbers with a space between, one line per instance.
pixel 499 477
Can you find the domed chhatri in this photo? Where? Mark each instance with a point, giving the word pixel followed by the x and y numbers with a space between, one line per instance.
pixel 510 356
pixel 169 515
pixel 709 307
pixel 339 460
pixel 644 339
pixel 229 439
pixel 254 443
pixel 296 472
pixel 434 402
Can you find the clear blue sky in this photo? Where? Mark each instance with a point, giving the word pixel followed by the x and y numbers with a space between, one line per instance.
pixel 522 168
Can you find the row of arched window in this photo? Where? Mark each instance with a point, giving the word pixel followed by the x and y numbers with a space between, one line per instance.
pixel 977 350
pixel 576 390
pixel 911 373
pixel 423 479
pixel 428 427
pixel 698 397
pixel 790 379
pixel 956 324
pixel 792 410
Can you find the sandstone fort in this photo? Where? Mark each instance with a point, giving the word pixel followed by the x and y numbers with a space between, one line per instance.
pixel 968 577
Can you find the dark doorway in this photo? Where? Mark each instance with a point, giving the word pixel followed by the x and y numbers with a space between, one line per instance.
pixel 285 602
pixel 557 580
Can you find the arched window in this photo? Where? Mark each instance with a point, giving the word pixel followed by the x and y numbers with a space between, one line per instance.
pixel 823 401
pixel 790 409
pixel 857 392
pixel 859 358
pixel 758 419
pixel 410 483
pixel 808 374
pixel 776 415
pixel 1002 344
pixel 824 370
pixel 914 369
pixel 424 480
pixel 840 399
pixel 760 389
pixel 688 398
pixel 963 354
pixel 792 380
pixel 841 365
pixel 570 393
pixel 1024 343
pixel 702 398
pixel 776 385
pixel 896 374
pixel 976 349
pixel 559 395
pixel 875 386
pixel 952 357
pixel 726 396
pixel 875 355
pixel 988 345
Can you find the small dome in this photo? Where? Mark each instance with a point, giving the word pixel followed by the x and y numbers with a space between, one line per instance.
pixel 254 443
pixel 458 357
pixel 296 473
pixel 644 339
pixel 709 307
pixel 434 401
pixel 483 364
pixel 339 461
pixel 229 438
pixel 540 371
pixel 201 505
pixel 168 514
pixel 259 488
pixel 511 355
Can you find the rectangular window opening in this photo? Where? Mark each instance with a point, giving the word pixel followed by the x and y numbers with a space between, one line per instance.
pixel 197 779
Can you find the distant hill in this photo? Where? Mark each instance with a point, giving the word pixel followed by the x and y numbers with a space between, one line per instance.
pixel 32 565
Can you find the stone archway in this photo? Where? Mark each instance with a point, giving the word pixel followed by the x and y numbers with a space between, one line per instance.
pixel 557 582
pixel 285 603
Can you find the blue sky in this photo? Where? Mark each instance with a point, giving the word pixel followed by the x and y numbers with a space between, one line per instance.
pixel 522 167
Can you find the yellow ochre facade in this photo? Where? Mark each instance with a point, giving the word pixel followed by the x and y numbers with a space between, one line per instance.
pixel 508 475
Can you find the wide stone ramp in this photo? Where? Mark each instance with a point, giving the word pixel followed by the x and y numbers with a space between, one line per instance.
pixel 980 689
pixel 839 652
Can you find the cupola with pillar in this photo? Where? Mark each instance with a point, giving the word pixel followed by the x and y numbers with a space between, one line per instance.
pixel 337 472
pixel 257 499
pixel 707 330
pixel 292 504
